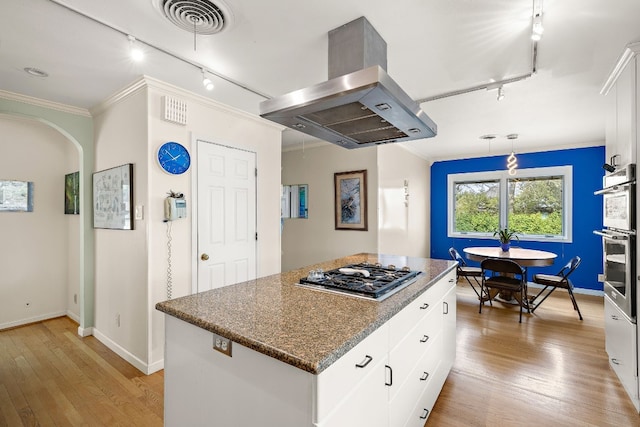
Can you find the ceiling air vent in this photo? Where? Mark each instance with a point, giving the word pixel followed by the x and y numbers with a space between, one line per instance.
pixel 202 17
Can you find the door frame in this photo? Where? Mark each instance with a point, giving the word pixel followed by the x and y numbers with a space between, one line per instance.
pixel 194 203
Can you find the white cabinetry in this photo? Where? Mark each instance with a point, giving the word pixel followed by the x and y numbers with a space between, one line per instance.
pixel 622 89
pixel 392 378
pixel 621 347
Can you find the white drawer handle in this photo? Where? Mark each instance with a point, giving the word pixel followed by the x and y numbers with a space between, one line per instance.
pixel 425 414
pixel 365 362
pixel 424 376
pixel 424 306
pixel 425 338
pixel 615 361
pixel 445 307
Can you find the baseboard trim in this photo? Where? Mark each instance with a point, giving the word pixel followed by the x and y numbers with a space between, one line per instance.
pixel 122 352
pixel 582 291
pixel 34 319
pixel 73 317
pixel 85 332
pixel 155 367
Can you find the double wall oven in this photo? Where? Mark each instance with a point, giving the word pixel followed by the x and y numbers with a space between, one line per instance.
pixel 618 238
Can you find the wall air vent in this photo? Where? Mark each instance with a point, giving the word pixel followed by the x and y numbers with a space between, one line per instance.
pixel 202 17
pixel 174 110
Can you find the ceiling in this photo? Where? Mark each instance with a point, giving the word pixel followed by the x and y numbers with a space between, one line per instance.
pixel 273 47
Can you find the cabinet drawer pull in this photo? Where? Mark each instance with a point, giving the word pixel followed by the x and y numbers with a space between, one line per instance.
pixel 390 376
pixel 365 362
pixel 425 338
pixel 445 307
pixel 424 306
pixel 614 317
pixel 425 414
pixel 451 280
pixel 424 376
pixel 615 361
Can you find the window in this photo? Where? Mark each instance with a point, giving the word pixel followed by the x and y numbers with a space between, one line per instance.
pixel 535 203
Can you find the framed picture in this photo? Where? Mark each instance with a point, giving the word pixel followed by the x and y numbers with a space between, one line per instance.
pixel 72 193
pixel 351 200
pixel 16 196
pixel 113 198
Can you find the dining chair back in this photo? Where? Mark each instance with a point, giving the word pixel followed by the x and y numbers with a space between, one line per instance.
pixel 469 273
pixel 552 282
pixel 504 275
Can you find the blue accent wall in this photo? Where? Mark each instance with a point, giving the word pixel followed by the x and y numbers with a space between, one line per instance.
pixel 586 217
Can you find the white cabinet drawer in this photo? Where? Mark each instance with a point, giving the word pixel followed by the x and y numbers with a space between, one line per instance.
pixel 419 379
pixel 337 381
pixel 416 343
pixel 366 405
pixel 620 336
pixel 411 315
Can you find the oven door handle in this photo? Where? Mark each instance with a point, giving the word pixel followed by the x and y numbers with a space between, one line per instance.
pixel 614 188
pixel 611 236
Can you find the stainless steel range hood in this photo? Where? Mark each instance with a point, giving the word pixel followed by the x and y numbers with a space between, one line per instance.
pixel 358 106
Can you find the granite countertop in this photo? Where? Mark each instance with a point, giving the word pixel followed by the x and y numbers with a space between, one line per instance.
pixel 303 327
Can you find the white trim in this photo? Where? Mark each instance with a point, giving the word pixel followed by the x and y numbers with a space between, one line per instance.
pixel 502 176
pixel 73 316
pixel 25 99
pixel 85 332
pixel 33 319
pixel 122 352
pixel 631 50
pixel 576 290
pixel 120 95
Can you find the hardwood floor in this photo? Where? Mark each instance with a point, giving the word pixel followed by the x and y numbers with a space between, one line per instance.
pixel 550 370
pixel 49 376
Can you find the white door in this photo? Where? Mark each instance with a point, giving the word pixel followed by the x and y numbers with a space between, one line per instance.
pixel 226 216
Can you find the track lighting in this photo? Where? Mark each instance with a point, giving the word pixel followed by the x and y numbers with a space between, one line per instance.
pixel 206 81
pixel 500 93
pixel 537 29
pixel 135 51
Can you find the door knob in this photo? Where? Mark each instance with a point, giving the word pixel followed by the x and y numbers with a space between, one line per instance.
pixel 204 257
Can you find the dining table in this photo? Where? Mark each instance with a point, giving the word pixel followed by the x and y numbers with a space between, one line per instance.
pixel 524 257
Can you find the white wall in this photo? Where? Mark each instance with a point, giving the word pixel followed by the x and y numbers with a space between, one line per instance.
pixel 131 266
pixel 315 239
pixel 73 248
pixel 217 123
pixel 121 255
pixel 403 230
pixel 35 245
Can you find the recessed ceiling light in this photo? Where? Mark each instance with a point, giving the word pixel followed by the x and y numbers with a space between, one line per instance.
pixel 36 72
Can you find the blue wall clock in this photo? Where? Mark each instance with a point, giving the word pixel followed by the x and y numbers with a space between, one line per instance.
pixel 174 158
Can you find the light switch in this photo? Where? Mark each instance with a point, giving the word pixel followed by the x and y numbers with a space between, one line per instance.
pixel 139 214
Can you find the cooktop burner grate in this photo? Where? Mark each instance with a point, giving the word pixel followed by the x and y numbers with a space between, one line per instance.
pixel 366 280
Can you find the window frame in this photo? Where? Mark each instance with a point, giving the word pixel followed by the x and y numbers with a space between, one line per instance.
pixel 566 172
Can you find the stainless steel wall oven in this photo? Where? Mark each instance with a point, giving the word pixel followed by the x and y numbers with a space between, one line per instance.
pixel 618 239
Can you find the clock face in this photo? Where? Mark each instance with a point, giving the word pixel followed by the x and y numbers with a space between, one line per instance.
pixel 174 158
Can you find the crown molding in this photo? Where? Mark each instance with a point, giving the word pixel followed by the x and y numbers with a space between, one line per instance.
pixel 628 54
pixel 119 96
pixel 37 102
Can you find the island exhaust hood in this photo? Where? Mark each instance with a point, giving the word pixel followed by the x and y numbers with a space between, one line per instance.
pixel 360 105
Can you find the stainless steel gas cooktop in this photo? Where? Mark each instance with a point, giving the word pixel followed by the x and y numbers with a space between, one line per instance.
pixel 371 281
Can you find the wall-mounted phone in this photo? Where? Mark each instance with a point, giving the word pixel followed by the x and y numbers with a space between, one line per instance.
pixel 175 207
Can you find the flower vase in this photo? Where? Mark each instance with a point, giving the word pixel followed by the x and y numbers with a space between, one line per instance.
pixel 505 246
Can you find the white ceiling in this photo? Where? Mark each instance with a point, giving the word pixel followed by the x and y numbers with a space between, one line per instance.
pixel 276 46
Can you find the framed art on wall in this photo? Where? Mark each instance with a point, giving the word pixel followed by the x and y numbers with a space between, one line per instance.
pixel 72 193
pixel 113 198
pixel 351 200
pixel 16 196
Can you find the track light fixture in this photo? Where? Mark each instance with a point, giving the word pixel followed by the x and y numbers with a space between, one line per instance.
pixel 206 81
pixel 537 29
pixel 136 52
pixel 500 96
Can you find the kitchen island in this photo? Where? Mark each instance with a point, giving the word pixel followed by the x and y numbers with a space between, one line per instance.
pixel 303 357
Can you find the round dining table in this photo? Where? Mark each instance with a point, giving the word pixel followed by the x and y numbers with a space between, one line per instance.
pixel 524 257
